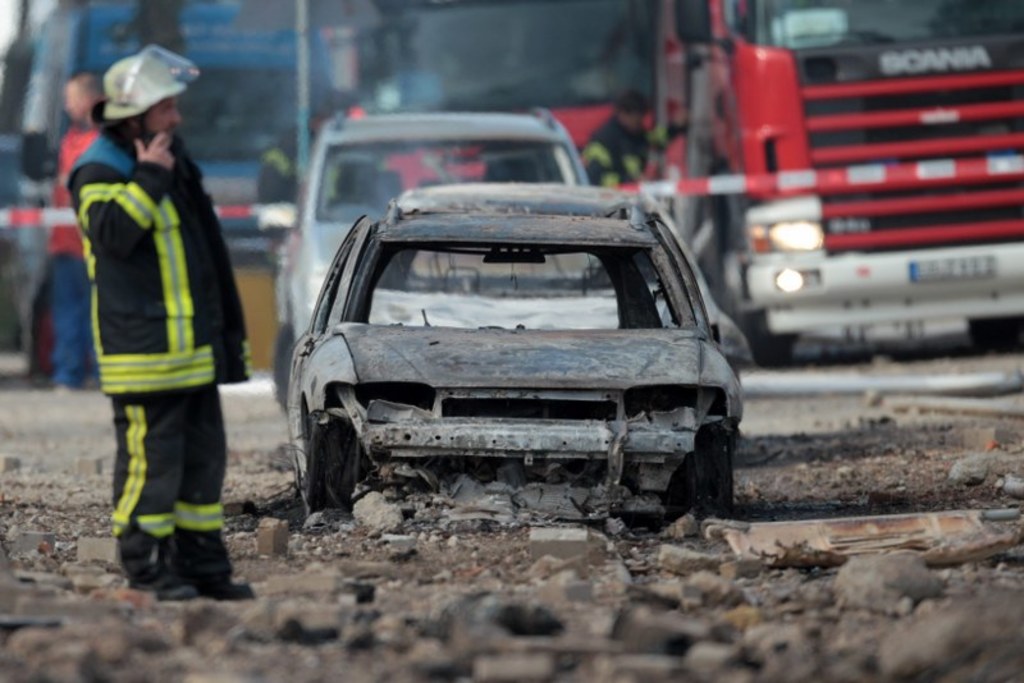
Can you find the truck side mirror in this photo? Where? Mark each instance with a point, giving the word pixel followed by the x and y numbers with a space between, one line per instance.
pixel 38 161
pixel 693 21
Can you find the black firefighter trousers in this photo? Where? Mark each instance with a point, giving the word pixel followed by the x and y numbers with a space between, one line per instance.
pixel 168 476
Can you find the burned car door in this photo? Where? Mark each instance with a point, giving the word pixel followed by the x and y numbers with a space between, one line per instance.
pixel 333 289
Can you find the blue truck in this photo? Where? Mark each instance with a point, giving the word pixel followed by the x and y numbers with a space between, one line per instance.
pixel 241 105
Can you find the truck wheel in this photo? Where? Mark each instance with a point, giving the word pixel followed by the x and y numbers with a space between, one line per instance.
pixel 283 364
pixel 333 464
pixel 769 350
pixel 995 334
pixel 704 483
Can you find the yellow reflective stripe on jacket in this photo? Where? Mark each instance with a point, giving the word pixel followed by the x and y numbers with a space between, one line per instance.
pixel 610 180
pixel 130 373
pixel 178 302
pixel 247 357
pixel 135 437
pixel 634 166
pixel 198 517
pixel 598 153
pixel 279 161
pixel 129 196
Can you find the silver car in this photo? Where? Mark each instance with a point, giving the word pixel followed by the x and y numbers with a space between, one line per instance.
pixel 458 339
pixel 358 165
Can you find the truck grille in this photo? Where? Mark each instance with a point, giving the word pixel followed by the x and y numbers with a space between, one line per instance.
pixel 900 121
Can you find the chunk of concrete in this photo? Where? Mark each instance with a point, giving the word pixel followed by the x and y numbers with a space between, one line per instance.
pixel 685 561
pixel 98 550
pixel 9 464
pixel 89 467
pixel 971 470
pixel 879 583
pixel 377 514
pixel 31 542
pixel 559 542
pixel 272 537
pixel 986 438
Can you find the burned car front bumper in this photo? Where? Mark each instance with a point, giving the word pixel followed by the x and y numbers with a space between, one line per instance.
pixel 563 439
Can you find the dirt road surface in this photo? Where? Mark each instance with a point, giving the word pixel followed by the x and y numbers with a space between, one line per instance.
pixel 449 592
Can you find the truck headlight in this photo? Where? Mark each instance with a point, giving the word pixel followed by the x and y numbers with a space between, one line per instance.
pixel 787 236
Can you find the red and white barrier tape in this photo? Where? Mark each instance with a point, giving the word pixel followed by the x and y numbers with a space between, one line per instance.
pixel 29 217
pixel 846 180
pixel 850 179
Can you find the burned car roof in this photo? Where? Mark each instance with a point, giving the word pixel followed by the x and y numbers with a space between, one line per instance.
pixel 514 228
pixel 576 200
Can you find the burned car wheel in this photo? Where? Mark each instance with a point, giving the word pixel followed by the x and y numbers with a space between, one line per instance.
pixel 333 464
pixel 703 484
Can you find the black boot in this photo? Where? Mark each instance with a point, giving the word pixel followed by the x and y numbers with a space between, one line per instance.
pixel 145 560
pixel 224 589
pixel 202 560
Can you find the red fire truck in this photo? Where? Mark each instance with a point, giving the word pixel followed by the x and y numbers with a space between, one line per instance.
pixel 869 165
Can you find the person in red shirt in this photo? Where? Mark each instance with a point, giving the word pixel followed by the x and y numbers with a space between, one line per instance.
pixel 74 358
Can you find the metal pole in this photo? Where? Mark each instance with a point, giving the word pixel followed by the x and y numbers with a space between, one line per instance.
pixel 303 79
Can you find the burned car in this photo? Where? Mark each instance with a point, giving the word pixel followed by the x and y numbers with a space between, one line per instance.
pixel 452 341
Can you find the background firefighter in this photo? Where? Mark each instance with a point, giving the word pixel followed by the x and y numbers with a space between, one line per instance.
pixel 168 327
pixel 618 151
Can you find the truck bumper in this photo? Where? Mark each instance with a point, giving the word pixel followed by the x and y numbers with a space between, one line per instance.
pixel 856 290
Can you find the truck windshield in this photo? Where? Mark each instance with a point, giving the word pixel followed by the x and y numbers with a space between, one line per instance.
pixel 236 115
pixel 797 24
pixel 508 54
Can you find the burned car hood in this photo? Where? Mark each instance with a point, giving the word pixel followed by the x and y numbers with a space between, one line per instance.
pixel 447 357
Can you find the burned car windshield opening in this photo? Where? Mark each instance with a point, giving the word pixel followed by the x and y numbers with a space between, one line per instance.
pixel 538 287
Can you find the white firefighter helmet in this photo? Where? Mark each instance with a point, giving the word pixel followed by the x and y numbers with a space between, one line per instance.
pixel 134 84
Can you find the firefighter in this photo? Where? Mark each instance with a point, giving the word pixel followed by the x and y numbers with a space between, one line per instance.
pixel 618 151
pixel 279 174
pixel 168 327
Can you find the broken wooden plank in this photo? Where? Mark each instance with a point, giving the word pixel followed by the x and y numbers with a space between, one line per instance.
pixel 942 538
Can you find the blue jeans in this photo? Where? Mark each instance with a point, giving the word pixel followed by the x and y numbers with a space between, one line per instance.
pixel 74 357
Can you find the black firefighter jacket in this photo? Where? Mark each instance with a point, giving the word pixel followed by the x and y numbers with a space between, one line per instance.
pixel 166 313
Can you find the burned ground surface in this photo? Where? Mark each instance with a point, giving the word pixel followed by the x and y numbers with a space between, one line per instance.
pixel 450 586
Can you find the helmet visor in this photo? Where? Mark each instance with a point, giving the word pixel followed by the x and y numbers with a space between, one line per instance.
pixel 181 69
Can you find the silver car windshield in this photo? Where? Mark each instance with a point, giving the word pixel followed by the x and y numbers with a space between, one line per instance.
pixel 521 288
pixel 360 179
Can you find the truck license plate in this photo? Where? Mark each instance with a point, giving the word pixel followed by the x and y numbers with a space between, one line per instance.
pixel 957 268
